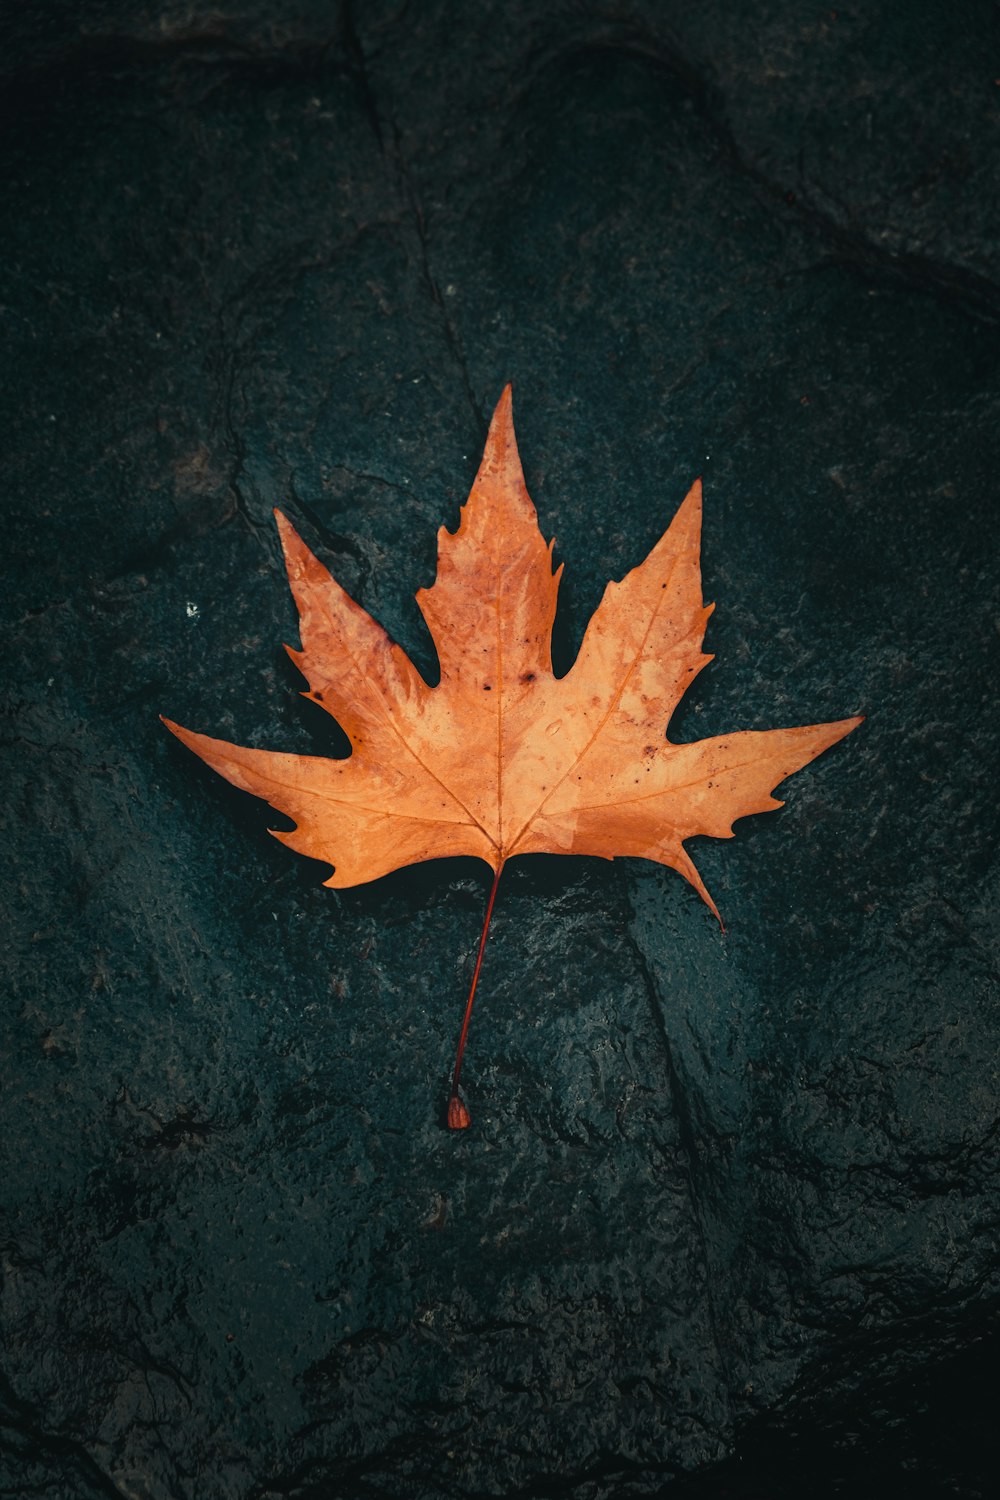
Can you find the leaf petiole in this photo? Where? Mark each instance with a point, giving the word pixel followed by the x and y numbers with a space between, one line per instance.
pixel 458 1115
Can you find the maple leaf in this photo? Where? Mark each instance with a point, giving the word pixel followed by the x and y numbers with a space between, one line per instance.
pixel 502 757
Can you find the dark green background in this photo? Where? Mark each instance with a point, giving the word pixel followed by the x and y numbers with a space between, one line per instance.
pixel 726 1221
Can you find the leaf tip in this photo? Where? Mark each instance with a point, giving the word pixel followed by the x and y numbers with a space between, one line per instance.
pixel 286 531
pixel 692 502
pixel 716 913
pixel 502 421
pixel 844 727
pixel 287 535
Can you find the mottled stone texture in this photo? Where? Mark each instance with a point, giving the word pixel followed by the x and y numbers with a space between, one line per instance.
pixel 726 1221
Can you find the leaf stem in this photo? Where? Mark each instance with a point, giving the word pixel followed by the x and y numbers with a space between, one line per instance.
pixel 458 1115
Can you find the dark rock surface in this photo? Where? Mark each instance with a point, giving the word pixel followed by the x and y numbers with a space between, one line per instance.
pixel 726 1221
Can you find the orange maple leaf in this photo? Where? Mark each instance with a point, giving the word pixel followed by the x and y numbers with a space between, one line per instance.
pixel 502 757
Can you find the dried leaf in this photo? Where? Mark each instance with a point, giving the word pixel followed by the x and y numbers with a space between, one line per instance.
pixel 503 758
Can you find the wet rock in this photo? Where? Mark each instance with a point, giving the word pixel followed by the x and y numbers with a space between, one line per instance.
pixel 725 1218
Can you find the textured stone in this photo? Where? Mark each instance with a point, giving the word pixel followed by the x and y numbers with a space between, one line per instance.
pixel 726 1220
